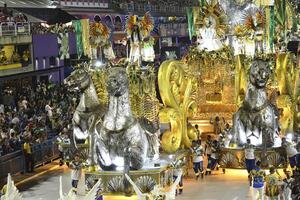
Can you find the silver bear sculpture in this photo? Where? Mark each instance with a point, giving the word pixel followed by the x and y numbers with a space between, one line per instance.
pixel 257 119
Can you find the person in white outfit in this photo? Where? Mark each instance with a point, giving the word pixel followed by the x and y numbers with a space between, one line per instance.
pixel 76 170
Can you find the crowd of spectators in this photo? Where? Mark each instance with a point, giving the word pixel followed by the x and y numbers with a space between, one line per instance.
pixel 57 28
pixel 34 115
pixel 7 15
pixel 154 5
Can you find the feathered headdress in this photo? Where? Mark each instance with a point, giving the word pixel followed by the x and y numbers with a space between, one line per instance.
pixel 99 29
pixel 146 25
pixel 239 30
pixel 130 23
pixel 253 18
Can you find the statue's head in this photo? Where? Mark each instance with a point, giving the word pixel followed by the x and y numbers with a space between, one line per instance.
pixel 117 82
pixel 259 73
pixel 79 79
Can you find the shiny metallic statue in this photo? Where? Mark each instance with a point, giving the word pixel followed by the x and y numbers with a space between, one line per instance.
pixel 120 134
pixel 117 138
pixel 257 118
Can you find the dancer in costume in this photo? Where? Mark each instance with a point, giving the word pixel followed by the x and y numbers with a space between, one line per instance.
pixel 177 171
pixel 213 159
pixel 249 158
pixel 99 39
pixel 208 39
pixel 76 167
pixel 141 42
pixel 258 180
pixel 197 152
pixel 292 153
pixel 272 185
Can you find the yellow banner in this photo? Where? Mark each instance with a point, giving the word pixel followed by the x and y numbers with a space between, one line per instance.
pixel 11 66
pixel 85 37
pixel 197 19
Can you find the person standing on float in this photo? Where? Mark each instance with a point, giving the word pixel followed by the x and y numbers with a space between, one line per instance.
pixel 135 45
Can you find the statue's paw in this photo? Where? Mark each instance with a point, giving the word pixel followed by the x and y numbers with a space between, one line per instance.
pixel 80 135
pixel 111 167
pixel 155 157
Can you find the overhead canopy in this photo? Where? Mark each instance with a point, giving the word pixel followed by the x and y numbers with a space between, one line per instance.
pixel 49 15
pixel 29 17
pixel 27 3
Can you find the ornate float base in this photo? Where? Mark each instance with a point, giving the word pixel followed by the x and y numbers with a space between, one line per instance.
pixel 234 158
pixel 153 173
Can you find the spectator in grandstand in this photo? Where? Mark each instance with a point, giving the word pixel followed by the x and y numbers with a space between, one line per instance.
pixel 27 121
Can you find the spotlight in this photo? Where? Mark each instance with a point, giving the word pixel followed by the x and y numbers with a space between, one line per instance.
pixel 120 168
pixel 98 64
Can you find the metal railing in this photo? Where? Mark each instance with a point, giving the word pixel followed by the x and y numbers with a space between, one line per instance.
pixel 15 162
pixel 14 28
pixel 84 3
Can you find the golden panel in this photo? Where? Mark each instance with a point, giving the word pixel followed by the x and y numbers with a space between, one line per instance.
pixel 177 91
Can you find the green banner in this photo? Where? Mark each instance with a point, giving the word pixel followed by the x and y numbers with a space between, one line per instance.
pixel 78 31
pixel 190 22
pixel 272 27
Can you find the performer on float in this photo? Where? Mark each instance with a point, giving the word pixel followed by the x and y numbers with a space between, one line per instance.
pixel 249 158
pixel 259 33
pixel 148 54
pixel 141 43
pixel 101 46
pixel 197 152
pixel 208 39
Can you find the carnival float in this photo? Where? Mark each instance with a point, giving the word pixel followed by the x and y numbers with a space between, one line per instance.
pixel 238 70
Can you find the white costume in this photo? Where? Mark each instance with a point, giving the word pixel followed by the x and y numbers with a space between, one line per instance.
pixel 135 48
pixel 209 40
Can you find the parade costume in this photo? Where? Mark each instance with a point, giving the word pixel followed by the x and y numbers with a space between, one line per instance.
pixel 76 167
pixel 100 44
pixel 272 186
pixel 141 43
pixel 258 181
pixel 249 157
pixel 61 140
pixel 197 152
pixel 177 167
pixel 292 153
pixel 209 40
pixel 212 160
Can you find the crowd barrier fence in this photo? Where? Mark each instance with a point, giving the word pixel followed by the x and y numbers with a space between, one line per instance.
pixel 14 28
pixel 15 162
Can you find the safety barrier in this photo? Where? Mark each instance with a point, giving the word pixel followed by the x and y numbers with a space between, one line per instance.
pixel 85 3
pixel 14 28
pixel 15 162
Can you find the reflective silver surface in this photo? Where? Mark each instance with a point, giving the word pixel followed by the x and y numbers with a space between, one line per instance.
pixel 257 118
pixel 116 136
